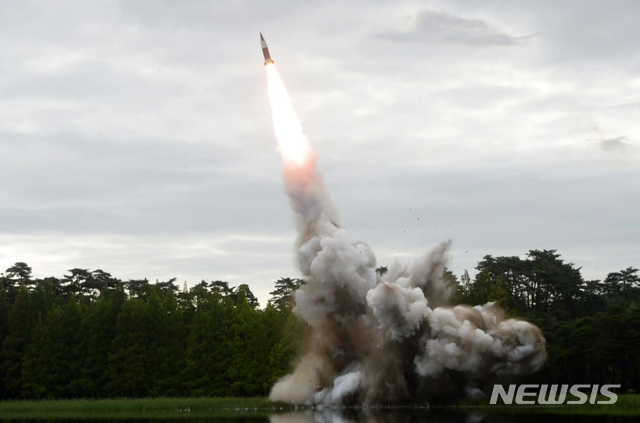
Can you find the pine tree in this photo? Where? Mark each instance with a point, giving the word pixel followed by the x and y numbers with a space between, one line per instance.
pixel 174 343
pixel 97 333
pixel 52 362
pixel 273 321
pixel 282 295
pixel 244 368
pixel 15 344
pixel 293 335
pixel 32 386
pixel 4 330
pixel 208 355
pixel 129 360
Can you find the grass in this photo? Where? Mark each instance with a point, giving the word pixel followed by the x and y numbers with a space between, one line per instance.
pixel 626 405
pixel 141 407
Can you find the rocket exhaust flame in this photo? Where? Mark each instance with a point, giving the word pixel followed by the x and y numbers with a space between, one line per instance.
pixel 381 339
pixel 292 143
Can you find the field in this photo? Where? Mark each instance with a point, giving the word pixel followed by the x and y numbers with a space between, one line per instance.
pixel 627 405
pixel 146 407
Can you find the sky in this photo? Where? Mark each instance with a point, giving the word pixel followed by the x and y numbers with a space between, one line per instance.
pixel 136 136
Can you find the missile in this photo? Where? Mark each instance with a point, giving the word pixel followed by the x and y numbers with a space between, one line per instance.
pixel 265 51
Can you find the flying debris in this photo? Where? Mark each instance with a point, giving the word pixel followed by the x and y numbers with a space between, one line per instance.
pixel 265 51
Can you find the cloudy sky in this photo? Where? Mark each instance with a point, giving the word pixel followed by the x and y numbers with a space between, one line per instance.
pixel 136 136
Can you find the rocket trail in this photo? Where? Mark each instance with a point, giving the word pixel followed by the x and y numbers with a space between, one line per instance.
pixel 292 143
pixel 380 339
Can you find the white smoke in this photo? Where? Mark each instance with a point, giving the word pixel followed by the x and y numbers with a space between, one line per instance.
pixel 386 339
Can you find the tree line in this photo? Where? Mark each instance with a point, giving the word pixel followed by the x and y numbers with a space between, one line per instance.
pixel 91 335
pixel 592 327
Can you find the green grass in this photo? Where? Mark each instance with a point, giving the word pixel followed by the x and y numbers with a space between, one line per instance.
pixel 627 405
pixel 145 407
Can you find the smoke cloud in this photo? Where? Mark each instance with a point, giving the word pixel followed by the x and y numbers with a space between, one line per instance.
pixel 382 339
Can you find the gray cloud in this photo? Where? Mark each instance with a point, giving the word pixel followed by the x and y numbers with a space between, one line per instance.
pixel 617 143
pixel 447 28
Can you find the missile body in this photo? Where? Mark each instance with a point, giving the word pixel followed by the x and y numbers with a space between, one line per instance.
pixel 265 51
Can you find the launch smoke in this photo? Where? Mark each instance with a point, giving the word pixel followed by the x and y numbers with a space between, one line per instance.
pixel 381 339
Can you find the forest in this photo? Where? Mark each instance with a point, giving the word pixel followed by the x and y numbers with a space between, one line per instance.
pixel 91 335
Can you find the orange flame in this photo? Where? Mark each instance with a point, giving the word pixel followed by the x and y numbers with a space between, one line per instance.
pixel 293 145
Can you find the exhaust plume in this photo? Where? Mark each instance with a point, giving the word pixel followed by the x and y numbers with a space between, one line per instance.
pixel 381 339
